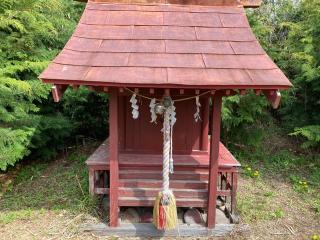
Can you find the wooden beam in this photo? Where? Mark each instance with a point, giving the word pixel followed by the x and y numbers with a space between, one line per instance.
pixel 75 87
pixel 205 124
pixel 257 92
pixel 251 3
pixel 214 154
pixel 113 156
pixel 245 3
pixel 91 181
pixel 242 91
pixel 58 91
pixel 274 97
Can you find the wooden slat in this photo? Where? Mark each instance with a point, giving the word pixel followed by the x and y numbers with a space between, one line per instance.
pixel 185 193
pixel 224 193
pixel 184 202
pixel 129 174
pixel 152 183
pixel 153 192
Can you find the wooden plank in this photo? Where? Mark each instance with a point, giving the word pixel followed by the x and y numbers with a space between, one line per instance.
pixel 91 182
pixel 149 202
pixel 224 193
pixel 234 186
pixel 214 155
pixel 148 230
pixel 156 159
pixel 101 157
pixel 130 174
pixel 251 3
pixel 205 124
pixel 245 3
pixel 153 192
pixel 114 156
pixel 152 183
pixel 186 193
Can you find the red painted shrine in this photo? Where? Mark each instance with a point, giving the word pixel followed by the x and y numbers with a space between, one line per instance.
pixel 156 48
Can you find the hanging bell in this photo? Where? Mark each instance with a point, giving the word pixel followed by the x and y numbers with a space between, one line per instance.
pixel 159 108
pixel 167 101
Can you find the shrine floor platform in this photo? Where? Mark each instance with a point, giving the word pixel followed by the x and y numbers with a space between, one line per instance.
pixel 198 160
pixel 140 177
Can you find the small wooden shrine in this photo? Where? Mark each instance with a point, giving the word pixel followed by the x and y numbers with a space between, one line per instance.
pixel 196 53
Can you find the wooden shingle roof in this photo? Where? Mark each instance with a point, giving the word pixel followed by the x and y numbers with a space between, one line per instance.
pixel 164 45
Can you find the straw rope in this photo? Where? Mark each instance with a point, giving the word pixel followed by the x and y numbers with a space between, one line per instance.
pixel 174 100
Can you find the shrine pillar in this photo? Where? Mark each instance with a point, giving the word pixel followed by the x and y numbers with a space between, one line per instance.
pixel 214 154
pixel 113 156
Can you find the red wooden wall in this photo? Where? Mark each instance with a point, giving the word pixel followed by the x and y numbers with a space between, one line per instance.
pixel 141 136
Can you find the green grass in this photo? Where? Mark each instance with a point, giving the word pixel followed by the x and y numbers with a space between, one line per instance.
pixel 273 158
pixel 258 202
pixel 62 185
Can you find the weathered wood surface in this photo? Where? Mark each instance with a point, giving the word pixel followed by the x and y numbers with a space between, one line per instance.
pixel 113 156
pixel 170 46
pixel 140 177
pixel 101 157
pixel 148 230
pixel 214 158
pixel 245 3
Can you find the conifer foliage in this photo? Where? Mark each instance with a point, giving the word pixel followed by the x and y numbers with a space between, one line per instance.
pixel 289 31
pixel 31 33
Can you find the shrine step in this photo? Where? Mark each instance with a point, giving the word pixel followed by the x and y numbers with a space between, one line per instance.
pixel 139 187
pixel 149 201
pixel 152 183
pixel 153 192
pixel 157 175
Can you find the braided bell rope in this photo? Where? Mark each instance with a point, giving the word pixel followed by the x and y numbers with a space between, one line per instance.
pixel 166 152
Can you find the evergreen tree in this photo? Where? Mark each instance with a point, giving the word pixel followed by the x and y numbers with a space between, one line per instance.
pixel 31 33
pixel 290 33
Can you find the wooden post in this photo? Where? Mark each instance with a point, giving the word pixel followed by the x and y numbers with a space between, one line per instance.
pixel 234 188
pixel 205 124
pixel 113 156
pixel 91 181
pixel 214 154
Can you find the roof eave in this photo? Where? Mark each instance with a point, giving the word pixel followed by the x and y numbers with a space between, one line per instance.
pixel 244 3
